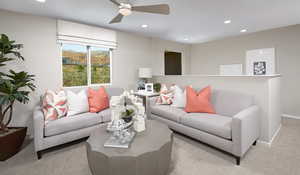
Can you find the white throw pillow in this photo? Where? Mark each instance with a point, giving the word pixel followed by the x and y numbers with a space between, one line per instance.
pixel 78 103
pixel 179 99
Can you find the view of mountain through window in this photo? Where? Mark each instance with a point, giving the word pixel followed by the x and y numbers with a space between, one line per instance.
pixel 100 64
pixel 77 62
pixel 74 65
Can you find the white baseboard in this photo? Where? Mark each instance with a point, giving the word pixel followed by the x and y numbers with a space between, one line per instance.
pixel 290 116
pixel 269 144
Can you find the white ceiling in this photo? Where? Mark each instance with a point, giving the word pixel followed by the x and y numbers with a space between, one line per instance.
pixel 197 20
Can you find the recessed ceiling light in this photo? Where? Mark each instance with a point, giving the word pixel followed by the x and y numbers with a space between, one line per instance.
pixel 227 22
pixel 144 26
pixel 243 30
pixel 42 1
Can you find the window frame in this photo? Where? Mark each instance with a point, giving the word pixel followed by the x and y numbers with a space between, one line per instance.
pixel 89 77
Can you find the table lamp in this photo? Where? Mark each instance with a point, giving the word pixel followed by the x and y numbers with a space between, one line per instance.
pixel 144 74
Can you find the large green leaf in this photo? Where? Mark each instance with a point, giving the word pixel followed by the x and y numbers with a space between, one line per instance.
pixel 7 48
pixel 4 100
pixel 13 88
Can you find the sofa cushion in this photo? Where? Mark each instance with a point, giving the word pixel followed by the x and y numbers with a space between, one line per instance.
pixel 72 123
pixel 229 103
pixel 105 115
pixel 114 91
pixel 211 123
pixel 168 112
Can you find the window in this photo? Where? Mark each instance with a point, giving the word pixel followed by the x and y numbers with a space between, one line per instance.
pixel 100 64
pixel 85 65
pixel 172 63
pixel 74 58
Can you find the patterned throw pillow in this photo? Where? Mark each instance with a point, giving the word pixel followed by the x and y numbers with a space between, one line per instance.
pixel 54 105
pixel 166 96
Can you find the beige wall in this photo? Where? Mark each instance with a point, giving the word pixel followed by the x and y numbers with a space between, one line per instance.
pixel 160 46
pixel 41 54
pixel 38 34
pixel 132 53
pixel 206 58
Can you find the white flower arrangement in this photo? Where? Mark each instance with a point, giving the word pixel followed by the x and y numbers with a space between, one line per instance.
pixel 125 102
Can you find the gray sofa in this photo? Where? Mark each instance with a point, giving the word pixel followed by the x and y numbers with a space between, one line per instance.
pixel 67 129
pixel 233 129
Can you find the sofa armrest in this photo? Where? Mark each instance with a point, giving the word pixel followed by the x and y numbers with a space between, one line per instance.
pixel 152 100
pixel 38 125
pixel 149 103
pixel 245 130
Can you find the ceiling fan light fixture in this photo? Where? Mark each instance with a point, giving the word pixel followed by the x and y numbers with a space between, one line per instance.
pixel 125 11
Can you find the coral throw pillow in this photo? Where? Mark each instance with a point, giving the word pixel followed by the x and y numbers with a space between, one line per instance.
pixel 199 102
pixel 54 105
pixel 98 99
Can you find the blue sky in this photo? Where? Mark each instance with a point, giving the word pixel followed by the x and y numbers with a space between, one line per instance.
pixel 80 48
pixel 74 47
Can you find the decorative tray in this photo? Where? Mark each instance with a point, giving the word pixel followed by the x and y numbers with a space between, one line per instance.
pixel 120 142
pixel 110 128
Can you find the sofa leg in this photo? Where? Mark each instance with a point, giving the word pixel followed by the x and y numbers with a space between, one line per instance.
pixel 39 155
pixel 238 160
pixel 254 143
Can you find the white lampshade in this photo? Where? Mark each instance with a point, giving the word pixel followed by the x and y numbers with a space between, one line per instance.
pixel 145 72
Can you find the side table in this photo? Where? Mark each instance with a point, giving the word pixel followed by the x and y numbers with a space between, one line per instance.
pixel 145 96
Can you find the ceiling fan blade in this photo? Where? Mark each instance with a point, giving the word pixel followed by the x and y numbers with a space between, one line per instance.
pixel 160 9
pixel 115 2
pixel 117 19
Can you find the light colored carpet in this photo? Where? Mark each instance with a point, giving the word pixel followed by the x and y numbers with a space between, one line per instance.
pixel 188 158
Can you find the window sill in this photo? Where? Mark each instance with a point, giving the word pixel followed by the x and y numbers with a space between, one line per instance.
pixel 92 85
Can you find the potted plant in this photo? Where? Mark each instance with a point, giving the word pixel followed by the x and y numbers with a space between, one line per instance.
pixel 14 87
pixel 128 114
pixel 157 87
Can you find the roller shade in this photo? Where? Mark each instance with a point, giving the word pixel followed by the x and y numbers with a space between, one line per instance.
pixel 84 34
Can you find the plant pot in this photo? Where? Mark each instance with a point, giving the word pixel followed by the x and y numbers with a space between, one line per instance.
pixel 11 142
pixel 127 119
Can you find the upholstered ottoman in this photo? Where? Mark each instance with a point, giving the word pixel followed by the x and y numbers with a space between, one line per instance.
pixel 149 153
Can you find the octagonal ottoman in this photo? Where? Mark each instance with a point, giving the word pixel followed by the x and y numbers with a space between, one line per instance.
pixel 149 153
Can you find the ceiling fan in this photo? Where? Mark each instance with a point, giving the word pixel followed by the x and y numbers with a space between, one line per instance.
pixel 126 9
